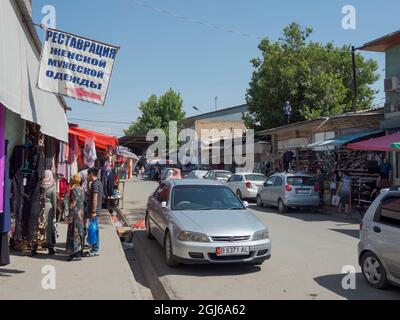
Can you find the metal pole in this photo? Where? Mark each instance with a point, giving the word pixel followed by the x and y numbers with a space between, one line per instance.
pixel 353 57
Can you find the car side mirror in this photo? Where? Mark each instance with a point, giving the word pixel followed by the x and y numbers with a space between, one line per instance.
pixel 164 204
pixel 265 184
pixel 245 203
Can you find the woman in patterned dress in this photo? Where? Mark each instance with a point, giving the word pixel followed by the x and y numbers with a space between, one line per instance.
pixel 75 218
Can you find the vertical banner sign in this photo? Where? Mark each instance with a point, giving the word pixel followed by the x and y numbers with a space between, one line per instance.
pixel 76 67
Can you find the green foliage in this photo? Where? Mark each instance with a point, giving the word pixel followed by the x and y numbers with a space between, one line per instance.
pixel 158 112
pixel 317 79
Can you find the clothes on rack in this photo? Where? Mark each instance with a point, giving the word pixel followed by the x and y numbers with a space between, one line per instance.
pixel 90 155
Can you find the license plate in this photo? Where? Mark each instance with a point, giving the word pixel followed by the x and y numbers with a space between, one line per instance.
pixel 233 251
pixel 303 191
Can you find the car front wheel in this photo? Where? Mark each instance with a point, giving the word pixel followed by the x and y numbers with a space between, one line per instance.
pixel 148 230
pixel 373 270
pixel 259 201
pixel 169 256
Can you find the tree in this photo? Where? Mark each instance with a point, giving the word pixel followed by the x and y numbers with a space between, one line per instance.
pixel 317 79
pixel 158 112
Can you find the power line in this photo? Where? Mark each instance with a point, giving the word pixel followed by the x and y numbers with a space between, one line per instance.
pixel 99 121
pixel 195 21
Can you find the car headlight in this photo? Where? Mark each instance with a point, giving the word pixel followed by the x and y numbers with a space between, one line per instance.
pixel 260 235
pixel 193 237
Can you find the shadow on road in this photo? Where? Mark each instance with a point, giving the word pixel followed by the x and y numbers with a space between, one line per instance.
pixel 156 255
pixel 363 291
pixel 348 232
pixel 9 272
pixel 305 215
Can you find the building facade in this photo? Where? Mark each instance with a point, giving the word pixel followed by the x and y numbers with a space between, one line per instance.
pixel 390 46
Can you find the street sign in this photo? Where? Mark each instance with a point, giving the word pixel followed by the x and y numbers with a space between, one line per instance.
pixel 76 67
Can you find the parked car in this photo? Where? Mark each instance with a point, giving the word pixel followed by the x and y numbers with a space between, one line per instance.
pixel 246 185
pixel 196 174
pixel 288 190
pixel 203 221
pixel 379 246
pixel 219 175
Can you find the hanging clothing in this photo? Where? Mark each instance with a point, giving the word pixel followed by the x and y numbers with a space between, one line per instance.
pixel 90 152
pixel 74 242
pixel 4 250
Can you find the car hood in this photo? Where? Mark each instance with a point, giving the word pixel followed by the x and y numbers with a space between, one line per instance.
pixel 219 222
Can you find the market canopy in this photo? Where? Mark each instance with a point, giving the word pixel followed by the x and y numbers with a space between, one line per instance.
pixel 378 144
pixel 19 65
pixel 341 140
pixel 101 140
pixel 126 152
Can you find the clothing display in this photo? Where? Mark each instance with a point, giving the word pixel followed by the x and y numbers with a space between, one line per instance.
pixel 90 155
pixel 27 171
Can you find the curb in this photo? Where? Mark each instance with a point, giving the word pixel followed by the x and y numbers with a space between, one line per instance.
pixel 160 287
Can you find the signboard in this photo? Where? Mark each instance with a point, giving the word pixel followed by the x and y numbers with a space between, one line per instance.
pixel 76 67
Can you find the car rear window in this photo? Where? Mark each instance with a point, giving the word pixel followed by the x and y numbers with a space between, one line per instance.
pixel 223 174
pixel 255 177
pixel 300 181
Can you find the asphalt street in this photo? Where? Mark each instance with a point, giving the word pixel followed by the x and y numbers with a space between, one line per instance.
pixel 309 252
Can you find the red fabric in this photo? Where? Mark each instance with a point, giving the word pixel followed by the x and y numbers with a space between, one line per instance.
pixel 102 141
pixel 140 225
pixel 376 144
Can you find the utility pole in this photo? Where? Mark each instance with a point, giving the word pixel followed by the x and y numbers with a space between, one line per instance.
pixel 353 57
pixel 216 103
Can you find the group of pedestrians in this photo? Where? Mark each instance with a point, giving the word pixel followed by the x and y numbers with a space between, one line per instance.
pixel 85 203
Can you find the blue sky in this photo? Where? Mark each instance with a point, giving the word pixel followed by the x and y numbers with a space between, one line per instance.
pixel 159 51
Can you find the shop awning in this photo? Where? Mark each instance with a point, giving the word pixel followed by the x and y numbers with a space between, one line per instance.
pixel 396 146
pixel 101 141
pixel 341 140
pixel 378 144
pixel 125 152
pixel 19 65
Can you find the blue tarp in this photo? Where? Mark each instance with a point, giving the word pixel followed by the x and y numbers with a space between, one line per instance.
pixel 338 141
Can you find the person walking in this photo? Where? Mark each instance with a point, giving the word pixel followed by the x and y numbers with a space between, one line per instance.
pixel 344 192
pixel 74 244
pixel 95 200
pixel 142 172
pixel 50 198
pixel 320 180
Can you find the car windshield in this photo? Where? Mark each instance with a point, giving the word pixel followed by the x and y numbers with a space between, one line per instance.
pixel 255 177
pixel 300 181
pixel 204 198
pixel 223 174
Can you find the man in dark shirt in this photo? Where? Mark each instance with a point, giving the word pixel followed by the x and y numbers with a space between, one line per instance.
pixel 95 199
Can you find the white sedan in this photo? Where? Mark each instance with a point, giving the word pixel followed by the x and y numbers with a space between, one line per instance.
pixel 246 184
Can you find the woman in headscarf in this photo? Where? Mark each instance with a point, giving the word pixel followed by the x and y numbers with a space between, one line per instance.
pixel 50 210
pixel 74 244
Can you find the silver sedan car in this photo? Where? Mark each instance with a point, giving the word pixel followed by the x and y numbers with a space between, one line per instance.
pixel 203 221
pixel 288 190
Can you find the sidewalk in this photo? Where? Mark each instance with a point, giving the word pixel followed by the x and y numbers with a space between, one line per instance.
pixel 106 277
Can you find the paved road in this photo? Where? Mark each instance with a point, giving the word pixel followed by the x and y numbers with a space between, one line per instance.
pixel 308 254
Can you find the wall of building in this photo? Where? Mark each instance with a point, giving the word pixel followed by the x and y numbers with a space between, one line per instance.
pixel 393 70
pixel 393 99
